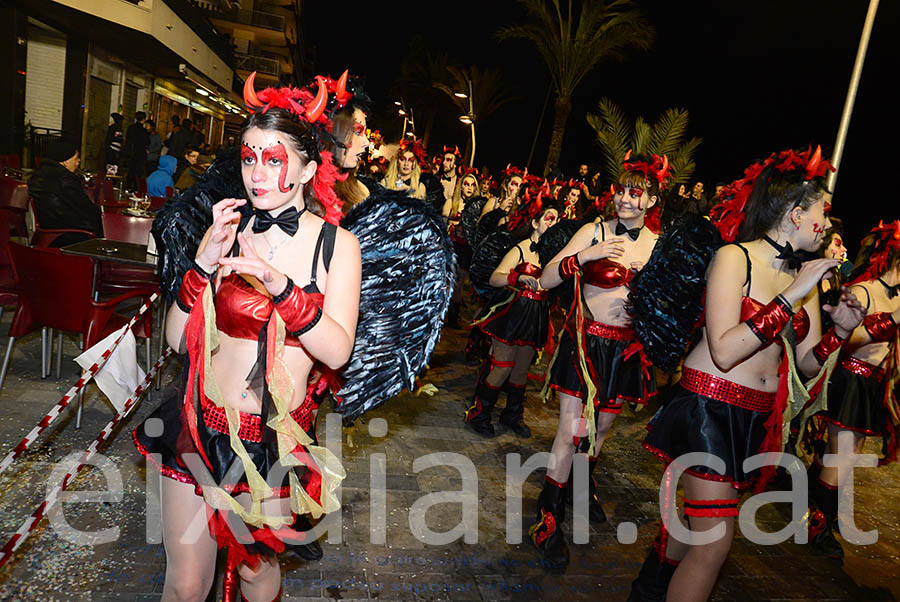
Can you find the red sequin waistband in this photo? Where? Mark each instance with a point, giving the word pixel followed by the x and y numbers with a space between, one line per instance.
pixel 530 294
pixel 726 391
pixel 251 428
pixel 607 331
pixel 861 368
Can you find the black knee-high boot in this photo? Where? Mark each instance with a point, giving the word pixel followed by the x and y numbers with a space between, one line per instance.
pixel 546 534
pixel 595 511
pixel 653 580
pixel 822 517
pixel 479 415
pixel 512 415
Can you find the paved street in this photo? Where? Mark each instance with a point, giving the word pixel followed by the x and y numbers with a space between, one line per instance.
pixel 127 568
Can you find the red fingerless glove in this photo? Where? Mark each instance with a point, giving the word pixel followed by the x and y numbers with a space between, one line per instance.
pixel 297 308
pixel 881 326
pixel 513 278
pixel 569 266
pixel 768 321
pixel 193 284
pixel 830 343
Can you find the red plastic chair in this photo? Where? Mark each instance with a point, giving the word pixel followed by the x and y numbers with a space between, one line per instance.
pixel 105 195
pixel 11 161
pixel 44 276
pixel 44 238
pixel 14 196
pixel 116 277
pixel 157 201
pixel 170 192
pixel 126 228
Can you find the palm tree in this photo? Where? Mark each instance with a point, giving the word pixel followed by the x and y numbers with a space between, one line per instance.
pixel 488 92
pixel 418 72
pixel 572 42
pixel 665 137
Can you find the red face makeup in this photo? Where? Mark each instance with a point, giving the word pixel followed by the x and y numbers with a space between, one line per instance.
pixel 275 152
pixel 359 129
pixel 818 229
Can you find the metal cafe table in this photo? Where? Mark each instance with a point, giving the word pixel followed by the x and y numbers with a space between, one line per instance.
pixel 104 249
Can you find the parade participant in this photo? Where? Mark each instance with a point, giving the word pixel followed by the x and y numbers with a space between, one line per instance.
pixel 728 403
pixel 404 170
pixel 465 192
pixel 510 188
pixel 484 187
pixel 861 397
pixel 570 196
pixel 251 347
pixel 591 371
pixel 451 159
pixel 517 326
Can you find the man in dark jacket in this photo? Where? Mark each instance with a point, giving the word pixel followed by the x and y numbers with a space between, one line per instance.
pixel 59 197
pixel 137 140
pixel 112 147
pixel 181 139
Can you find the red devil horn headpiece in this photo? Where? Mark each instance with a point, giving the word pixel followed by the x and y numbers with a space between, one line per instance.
pixel 663 172
pixel 317 107
pixel 340 91
pixel 627 155
pixel 250 98
pixel 813 166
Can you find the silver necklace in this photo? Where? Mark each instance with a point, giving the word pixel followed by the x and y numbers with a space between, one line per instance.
pixel 273 248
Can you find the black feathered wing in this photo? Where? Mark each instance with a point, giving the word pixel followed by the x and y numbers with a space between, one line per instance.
pixel 408 273
pixel 666 296
pixel 486 256
pixel 181 223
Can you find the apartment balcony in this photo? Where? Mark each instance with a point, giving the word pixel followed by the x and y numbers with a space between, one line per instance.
pixel 260 64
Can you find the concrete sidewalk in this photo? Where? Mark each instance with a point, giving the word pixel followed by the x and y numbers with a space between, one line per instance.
pixel 127 568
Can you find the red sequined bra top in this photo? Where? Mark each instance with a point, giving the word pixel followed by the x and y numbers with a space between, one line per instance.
pixel 528 269
pixel 606 273
pixel 242 310
pixel 749 306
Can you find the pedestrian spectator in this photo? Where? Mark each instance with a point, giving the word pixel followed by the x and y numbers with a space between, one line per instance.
pixel 112 146
pixel 180 139
pixel 174 126
pixel 190 169
pixel 137 140
pixel 60 201
pixel 163 177
pixel 155 145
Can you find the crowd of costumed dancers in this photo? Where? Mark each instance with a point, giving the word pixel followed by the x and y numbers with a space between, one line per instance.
pixel 287 289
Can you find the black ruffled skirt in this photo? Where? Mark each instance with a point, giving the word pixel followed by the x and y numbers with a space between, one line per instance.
pixel 617 379
pixel 856 398
pixel 164 440
pixel 525 320
pixel 693 422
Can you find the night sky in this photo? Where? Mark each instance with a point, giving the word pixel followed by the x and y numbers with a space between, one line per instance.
pixel 756 77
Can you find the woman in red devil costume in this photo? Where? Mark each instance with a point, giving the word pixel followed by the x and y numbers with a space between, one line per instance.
pixel 761 296
pixel 517 326
pixel 861 397
pixel 591 370
pixel 272 293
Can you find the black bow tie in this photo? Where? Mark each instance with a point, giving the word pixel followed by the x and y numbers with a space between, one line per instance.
pixel 288 220
pixel 892 291
pixel 447 178
pixel 794 259
pixel 534 248
pixel 632 233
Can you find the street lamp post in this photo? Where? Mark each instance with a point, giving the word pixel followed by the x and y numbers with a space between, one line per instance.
pixel 469 118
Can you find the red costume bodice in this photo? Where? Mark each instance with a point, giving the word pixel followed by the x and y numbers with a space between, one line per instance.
pixel 606 273
pixel 528 269
pixel 242 310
